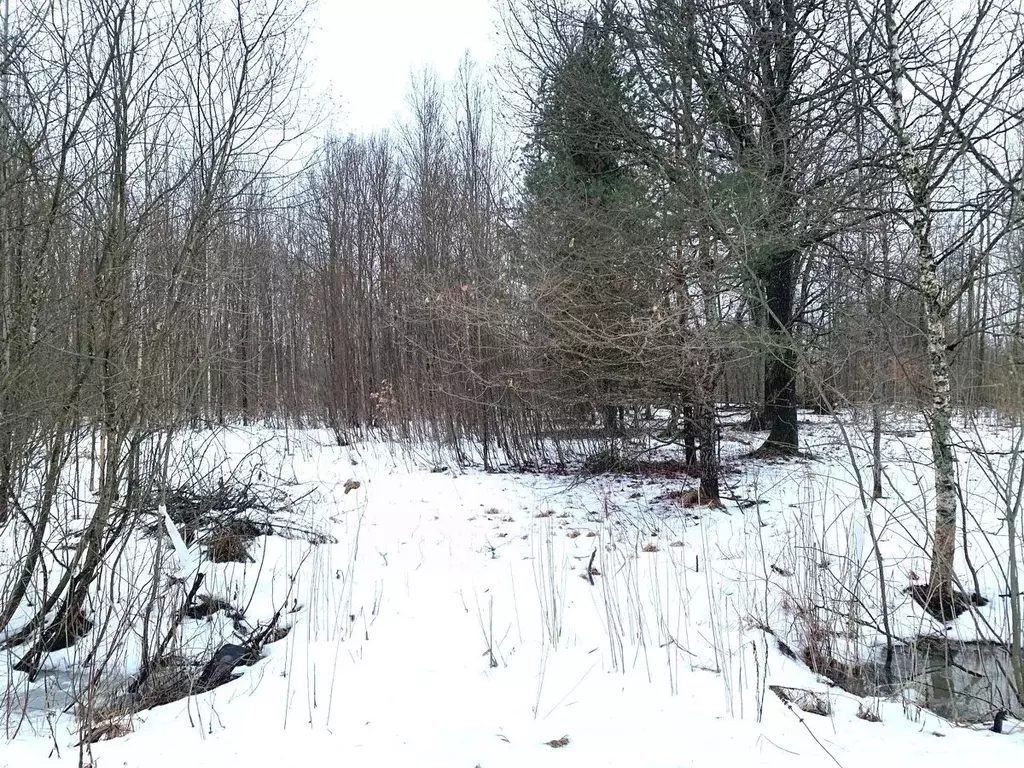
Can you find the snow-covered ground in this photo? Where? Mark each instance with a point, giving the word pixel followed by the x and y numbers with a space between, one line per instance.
pixel 450 620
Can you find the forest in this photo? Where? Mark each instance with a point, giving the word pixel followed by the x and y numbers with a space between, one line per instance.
pixel 654 219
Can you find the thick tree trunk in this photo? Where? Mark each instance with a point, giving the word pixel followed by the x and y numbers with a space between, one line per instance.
pixel 707 433
pixel 780 367
pixel 611 420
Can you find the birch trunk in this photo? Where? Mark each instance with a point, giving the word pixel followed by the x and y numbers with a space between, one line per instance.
pixel 918 183
pixel 936 317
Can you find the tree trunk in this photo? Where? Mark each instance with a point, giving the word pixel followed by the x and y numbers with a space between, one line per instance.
pixel 689 436
pixel 611 420
pixel 876 450
pixel 706 430
pixel 780 367
pixel 944 542
pixel 919 179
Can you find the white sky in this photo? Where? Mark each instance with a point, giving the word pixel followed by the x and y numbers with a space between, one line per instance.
pixel 362 52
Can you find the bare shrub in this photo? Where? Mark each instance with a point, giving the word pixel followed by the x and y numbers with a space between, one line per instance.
pixel 103 724
pixel 231 544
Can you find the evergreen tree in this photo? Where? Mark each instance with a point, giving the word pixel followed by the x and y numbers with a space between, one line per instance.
pixel 586 211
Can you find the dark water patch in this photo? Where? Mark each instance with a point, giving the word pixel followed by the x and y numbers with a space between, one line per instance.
pixel 963 682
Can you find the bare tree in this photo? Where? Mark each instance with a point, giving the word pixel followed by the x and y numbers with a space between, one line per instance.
pixel 953 83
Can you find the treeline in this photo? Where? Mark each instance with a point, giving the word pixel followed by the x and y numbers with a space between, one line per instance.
pixel 776 203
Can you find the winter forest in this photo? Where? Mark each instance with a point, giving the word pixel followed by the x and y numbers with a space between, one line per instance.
pixel 715 305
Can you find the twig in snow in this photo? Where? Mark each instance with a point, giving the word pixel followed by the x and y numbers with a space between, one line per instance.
pixel 791 708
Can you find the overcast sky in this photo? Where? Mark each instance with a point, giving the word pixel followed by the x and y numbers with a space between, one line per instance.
pixel 362 51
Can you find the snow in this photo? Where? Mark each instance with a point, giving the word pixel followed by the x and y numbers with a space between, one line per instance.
pixel 449 620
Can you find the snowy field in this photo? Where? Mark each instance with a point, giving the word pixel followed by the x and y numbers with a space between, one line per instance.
pixel 459 618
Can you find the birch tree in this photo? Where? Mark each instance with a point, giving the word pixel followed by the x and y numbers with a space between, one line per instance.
pixel 953 84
